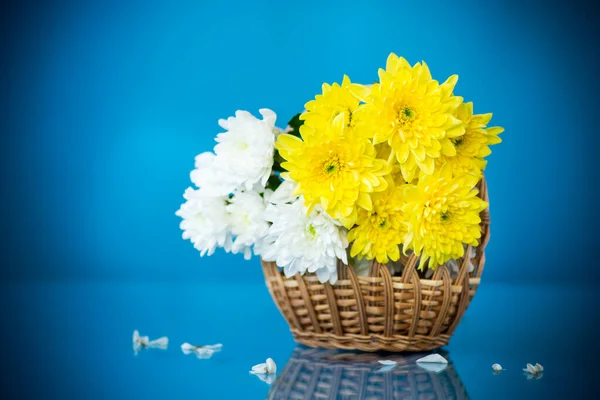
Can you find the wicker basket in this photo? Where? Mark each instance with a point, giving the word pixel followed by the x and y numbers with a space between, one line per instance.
pixel 328 374
pixel 380 311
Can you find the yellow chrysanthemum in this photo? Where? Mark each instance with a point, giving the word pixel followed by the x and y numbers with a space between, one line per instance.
pixel 383 152
pixel 335 102
pixel 442 213
pixel 379 232
pixel 334 168
pixel 413 113
pixel 473 145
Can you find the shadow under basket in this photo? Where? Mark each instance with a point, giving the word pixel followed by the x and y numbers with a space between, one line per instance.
pixel 380 311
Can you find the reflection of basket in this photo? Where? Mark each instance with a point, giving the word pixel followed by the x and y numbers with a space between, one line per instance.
pixel 379 312
pixel 329 374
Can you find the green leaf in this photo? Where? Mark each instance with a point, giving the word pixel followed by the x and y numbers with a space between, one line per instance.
pixel 295 123
pixel 273 182
pixel 277 160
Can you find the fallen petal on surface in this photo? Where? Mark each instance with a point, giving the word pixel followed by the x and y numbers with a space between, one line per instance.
pixel 433 358
pixel 204 353
pixel 187 348
pixel 433 366
pixel 259 369
pixel 214 347
pixel 539 367
pixel 387 362
pixel 531 369
pixel 271 366
pixel 161 343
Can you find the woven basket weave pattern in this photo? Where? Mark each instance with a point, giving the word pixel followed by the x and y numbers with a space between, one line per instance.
pixel 380 312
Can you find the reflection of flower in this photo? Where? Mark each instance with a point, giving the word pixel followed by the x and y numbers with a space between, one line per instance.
pixel 301 242
pixel 334 168
pixel 243 156
pixel 413 114
pixel 443 213
pixel 205 221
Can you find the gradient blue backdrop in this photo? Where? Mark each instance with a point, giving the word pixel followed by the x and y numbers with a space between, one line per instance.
pixel 105 105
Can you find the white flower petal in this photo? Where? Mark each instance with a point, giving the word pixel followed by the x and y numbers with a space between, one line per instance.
pixel 162 342
pixel 203 353
pixel 140 342
pixel 243 155
pixel 433 358
pixel 387 362
pixel 269 116
pixel 298 242
pixel 271 366
pixel 432 366
pixel 205 221
pixel 539 368
pixel 247 222
pixel 497 367
pixel 187 348
pixel 531 369
pixel 214 347
pixel 259 369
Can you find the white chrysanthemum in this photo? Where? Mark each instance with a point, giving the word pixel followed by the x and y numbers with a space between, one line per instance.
pixel 205 221
pixel 243 155
pixel 247 222
pixel 212 179
pixel 299 242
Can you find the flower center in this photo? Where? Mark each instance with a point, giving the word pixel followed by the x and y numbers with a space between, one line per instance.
pixel 200 218
pixel 458 141
pixel 406 114
pixel 241 144
pixel 445 216
pixel 312 232
pixel 383 223
pixel 343 110
pixel 331 166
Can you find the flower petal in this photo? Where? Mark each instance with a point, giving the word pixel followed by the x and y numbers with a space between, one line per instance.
pixel 433 358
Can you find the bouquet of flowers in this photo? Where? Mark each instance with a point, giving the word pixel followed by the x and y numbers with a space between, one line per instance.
pixel 366 172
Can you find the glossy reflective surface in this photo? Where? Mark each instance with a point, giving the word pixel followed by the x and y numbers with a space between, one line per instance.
pixel 75 340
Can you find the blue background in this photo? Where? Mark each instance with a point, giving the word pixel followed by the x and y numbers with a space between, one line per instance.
pixel 104 105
